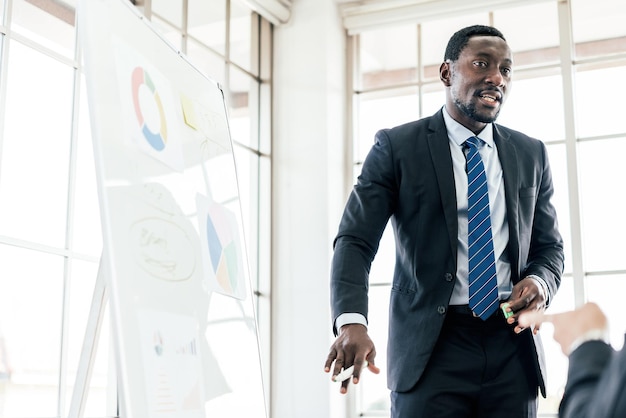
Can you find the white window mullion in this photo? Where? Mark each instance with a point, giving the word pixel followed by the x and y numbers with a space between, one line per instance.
pixel 567 73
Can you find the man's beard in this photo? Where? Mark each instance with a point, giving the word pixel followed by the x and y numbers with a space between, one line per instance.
pixel 469 110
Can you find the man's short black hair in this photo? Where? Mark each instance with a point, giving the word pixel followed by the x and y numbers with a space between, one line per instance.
pixel 459 40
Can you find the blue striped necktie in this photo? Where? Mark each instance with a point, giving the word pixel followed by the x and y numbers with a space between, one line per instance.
pixel 483 285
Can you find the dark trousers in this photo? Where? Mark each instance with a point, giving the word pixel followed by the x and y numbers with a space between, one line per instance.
pixel 478 369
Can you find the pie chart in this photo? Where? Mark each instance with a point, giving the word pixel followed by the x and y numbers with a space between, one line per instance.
pixel 223 249
pixel 149 109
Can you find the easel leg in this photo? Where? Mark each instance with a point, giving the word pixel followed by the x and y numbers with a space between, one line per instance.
pixel 90 345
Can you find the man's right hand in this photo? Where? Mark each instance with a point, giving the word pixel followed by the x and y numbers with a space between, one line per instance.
pixel 353 346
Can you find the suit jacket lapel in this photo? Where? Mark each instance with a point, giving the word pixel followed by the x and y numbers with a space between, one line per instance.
pixel 508 159
pixel 438 144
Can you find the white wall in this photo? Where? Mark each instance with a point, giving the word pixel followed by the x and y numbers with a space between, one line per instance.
pixel 308 197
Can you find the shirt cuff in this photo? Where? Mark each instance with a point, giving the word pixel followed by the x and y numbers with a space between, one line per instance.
pixel 350 318
pixel 596 334
pixel 543 286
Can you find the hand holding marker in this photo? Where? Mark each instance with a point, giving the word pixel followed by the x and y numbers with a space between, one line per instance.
pixel 508 314
pixel 347 373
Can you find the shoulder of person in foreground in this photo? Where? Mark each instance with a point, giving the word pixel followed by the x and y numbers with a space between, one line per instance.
pixel 596 383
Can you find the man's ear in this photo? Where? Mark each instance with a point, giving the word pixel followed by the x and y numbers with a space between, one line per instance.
pixel 444 73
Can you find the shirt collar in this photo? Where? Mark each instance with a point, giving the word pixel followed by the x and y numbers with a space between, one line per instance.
pixel 459 133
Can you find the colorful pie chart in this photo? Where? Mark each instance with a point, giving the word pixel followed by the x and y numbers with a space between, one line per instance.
pixel 156 136
pixel 222 249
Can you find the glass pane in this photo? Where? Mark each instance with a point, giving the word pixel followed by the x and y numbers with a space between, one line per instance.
pixel 382 110
pixel 593 119
pixel 598 26
pixel 261 282
pixel 49 23
pixel 247 165
pixel 563 300
pixel 265 228
pixel 31 294
pixel 243 104
pixel 521 111
pixel 602 171
pixel 433 99
pixel 241 37
pixel 86 228
pixel 208 62
pixel 435 36
pixel 102 391
pixel 560 200
pixel 207 23
pixel 35 154
pixel 388 56
pixel 171 34
pixel 607 292
pixel 543 45
pixel 82 280
pixel 556 361
pixel 170 10
pixel 265 117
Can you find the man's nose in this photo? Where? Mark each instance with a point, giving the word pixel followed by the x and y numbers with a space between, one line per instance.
pixel 496 78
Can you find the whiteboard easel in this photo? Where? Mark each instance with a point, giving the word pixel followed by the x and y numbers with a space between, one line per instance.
pixel 174 271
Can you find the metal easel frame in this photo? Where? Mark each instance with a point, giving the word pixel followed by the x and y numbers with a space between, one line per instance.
pixel 90 346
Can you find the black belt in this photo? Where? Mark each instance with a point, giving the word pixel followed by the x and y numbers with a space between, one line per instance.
pixel 460 309
pixel 466 311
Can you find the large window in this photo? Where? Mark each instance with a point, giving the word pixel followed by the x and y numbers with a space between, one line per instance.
pixel 50 238
pixel 574 49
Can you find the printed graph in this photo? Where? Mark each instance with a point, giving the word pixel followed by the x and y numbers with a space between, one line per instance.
pixel 149 108
pixel 147 102
pixel 222 248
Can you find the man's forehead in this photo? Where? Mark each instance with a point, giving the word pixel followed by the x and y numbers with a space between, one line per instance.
pixel 488 46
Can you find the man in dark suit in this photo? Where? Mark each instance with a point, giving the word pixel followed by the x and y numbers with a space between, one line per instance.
pixel 596 380
pixel 444 360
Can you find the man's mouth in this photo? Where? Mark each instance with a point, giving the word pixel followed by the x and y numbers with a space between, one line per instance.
pixel 490 97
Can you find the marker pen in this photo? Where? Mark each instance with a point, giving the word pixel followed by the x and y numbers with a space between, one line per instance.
pixel 347 373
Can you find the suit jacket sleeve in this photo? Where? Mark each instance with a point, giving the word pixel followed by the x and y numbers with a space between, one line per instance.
pixel 365 217
pixel 595 384
pixel 545 249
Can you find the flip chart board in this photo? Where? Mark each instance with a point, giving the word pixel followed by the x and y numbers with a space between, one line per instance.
pixel 179 289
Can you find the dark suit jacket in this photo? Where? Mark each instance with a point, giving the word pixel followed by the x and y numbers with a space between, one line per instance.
pixel 408 177
pixel 596 383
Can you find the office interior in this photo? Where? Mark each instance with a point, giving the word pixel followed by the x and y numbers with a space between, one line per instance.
pixel 307 83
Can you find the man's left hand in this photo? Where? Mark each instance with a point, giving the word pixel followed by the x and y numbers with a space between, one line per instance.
pixel 527 296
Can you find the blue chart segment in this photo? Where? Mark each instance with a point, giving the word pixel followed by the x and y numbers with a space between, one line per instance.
pixel 158 139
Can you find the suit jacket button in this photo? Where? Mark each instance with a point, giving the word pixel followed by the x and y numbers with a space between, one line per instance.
pixel 441 309
pixel 448 277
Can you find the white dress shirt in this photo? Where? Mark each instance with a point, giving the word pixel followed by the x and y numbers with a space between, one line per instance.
pixel 458 134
